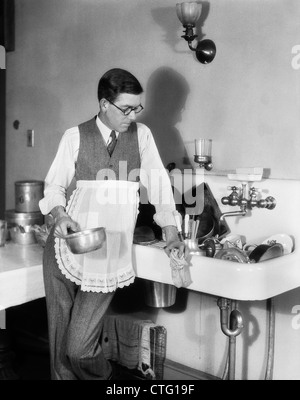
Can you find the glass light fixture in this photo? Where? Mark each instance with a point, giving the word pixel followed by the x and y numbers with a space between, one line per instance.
pixel 188 14
pixel 203 156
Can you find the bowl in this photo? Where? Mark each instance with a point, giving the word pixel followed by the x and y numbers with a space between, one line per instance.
pixel 24 236
pixel 285 240
pixel 86 241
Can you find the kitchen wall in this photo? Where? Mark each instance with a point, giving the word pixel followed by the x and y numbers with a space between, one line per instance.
pixel 246 100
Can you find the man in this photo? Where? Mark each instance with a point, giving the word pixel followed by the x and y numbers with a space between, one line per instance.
pixel 108 156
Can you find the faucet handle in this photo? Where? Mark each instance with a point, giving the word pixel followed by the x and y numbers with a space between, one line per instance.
pixel 252 202
pixel 269 203
pixel 233 188
pixel 234 196
pixel 254 191
pixel 232 199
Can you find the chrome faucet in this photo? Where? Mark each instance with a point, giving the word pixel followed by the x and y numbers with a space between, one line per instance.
pixel 233 198
pixel 239 198
pixel 268 203
pixel 232 214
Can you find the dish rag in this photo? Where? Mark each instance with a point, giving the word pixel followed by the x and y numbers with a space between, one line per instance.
pixel 178 270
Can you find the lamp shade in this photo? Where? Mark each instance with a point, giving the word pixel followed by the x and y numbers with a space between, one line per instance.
pixel 188 12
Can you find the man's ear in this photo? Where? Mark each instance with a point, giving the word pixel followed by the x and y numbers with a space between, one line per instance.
pixel 103 103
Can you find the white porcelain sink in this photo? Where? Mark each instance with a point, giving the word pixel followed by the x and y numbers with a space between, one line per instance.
pixel 230 279
pixel 224 278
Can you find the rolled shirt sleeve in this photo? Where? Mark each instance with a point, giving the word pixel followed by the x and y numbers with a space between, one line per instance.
pixel 155 178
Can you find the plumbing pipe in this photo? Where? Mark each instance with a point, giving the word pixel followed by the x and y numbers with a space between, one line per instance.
pixel 226 368
pixel 271 340
pixel 236 319
pixel 234 329
pixel 236 326
pixel 271 344
pixel 229 369
pixel 231 358
pixel 225 373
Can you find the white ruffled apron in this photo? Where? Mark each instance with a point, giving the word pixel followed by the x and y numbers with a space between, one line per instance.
pixel 111 204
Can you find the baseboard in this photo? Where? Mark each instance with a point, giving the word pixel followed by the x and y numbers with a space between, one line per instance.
pixel 177 371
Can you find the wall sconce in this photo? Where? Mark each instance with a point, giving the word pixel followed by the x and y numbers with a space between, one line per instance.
pixel 203 153
pixel 188 14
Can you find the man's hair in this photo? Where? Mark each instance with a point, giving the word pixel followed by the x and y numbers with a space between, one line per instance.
pixel 117 81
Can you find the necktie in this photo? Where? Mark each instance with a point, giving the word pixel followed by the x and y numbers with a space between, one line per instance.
pixel 112 143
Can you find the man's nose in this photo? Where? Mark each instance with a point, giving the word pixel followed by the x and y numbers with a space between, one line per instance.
pixel 132 115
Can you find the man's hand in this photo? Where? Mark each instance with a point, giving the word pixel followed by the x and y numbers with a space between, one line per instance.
pixel 63 222
pixel 172 241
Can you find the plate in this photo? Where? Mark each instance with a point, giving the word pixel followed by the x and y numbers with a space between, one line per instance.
pixel 282 238
pixel 232 254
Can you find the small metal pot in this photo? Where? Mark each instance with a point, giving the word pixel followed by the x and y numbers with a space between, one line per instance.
pixel 85 241
pixel 14 218
pixel 25 236
pixel 23 218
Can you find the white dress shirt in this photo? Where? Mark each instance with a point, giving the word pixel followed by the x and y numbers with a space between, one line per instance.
pixel 153 176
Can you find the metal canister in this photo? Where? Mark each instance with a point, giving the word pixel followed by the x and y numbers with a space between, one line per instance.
pixel 17 218
pixel 27 195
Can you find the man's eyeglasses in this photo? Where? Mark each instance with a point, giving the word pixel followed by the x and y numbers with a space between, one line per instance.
pixel 128 110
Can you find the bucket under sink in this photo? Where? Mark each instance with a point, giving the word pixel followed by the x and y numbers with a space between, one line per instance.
pixel 159 295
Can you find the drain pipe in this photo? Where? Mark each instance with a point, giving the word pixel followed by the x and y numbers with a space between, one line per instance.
pixel 234 329
pixel 271 340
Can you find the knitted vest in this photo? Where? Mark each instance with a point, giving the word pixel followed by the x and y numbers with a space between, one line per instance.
pixel 94 157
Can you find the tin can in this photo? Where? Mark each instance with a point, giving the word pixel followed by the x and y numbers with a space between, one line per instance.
pixel 27 195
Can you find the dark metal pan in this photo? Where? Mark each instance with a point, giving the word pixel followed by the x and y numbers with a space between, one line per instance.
pixel 265 252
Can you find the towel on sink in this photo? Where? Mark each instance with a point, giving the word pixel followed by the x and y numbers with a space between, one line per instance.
pixel 178 270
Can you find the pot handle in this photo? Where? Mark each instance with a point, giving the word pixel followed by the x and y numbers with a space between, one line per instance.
pixel 249 247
